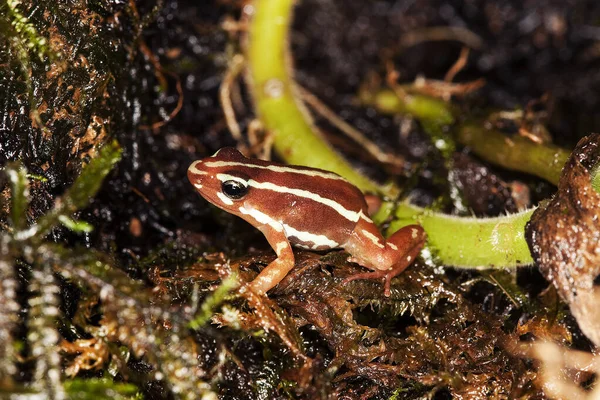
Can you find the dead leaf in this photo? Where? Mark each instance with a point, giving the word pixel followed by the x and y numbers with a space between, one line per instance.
pixel 564 237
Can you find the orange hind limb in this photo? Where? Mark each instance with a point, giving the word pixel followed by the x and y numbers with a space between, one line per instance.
pixel 401 249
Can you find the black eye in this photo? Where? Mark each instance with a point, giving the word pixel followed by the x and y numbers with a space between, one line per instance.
pixel 234 189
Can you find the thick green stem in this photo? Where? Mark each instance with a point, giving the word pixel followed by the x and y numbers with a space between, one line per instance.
pixel 425 108
pixel 470 242
pixel 278 106
pixel 516 153
pixel 434 114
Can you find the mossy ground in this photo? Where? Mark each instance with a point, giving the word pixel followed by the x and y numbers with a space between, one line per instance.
pixel 103 264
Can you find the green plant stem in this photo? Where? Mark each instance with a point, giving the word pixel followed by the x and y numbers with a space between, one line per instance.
pixel 434 114
pixel 20 195
pixel 279 108
pixel 425 108
pixel 470 242
pixel 516 153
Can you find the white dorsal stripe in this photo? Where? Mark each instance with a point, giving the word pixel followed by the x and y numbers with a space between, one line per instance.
pixel 274 168
pixel 195 169
pixel 227 177
pixel 344 212
pixel 317 240
pixel 363 216
pixel 303 246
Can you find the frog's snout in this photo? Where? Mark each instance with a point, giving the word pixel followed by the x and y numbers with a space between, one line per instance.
pixel 195 174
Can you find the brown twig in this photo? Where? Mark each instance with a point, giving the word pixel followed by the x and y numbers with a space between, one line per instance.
pixel 442 33
pixel 458 65
pixel 262 148
pixel 236 66
pixel 445 90
pixel 159 73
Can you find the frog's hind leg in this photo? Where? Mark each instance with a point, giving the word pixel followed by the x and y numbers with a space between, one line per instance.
pixel 412 239
pixel 401 248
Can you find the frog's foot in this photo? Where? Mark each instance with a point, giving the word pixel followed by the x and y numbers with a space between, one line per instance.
pixel 387 275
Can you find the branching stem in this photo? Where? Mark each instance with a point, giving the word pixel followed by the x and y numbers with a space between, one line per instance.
pixel 465 242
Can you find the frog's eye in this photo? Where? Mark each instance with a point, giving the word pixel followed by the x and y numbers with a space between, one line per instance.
pixel 234 189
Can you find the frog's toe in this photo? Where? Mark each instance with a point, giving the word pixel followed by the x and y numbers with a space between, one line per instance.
pixel 377 275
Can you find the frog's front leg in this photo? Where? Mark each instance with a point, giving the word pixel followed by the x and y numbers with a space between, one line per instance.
pixel 273 273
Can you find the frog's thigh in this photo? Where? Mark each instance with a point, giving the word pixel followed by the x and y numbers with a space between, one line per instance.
pixel 273 273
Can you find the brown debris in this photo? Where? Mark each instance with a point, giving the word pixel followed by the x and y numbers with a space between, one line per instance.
pixel 91 355
pixel 484 191
pixel 563 236
pixel 449 345
pixel 564 373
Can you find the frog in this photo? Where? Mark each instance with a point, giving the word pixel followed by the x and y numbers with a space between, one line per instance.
pixel 304 207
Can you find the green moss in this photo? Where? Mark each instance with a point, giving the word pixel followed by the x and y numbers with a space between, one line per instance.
pixel 78 195
pixel 26 33
pixel 100 389
pixel 17 175
pixel 209 305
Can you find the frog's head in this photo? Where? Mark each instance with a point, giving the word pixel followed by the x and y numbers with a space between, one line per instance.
pixel 219 179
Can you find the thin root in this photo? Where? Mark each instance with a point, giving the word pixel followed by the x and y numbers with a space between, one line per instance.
pixel 236 66
pixel 349 130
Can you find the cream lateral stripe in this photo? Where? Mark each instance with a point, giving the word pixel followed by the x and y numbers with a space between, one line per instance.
pixel 226 200
pixel 274 168
pixel 318 240
pixel 262 218
pixel 280 247
pixel 344 212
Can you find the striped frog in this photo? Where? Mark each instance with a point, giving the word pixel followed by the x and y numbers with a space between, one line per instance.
pixel 309 208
